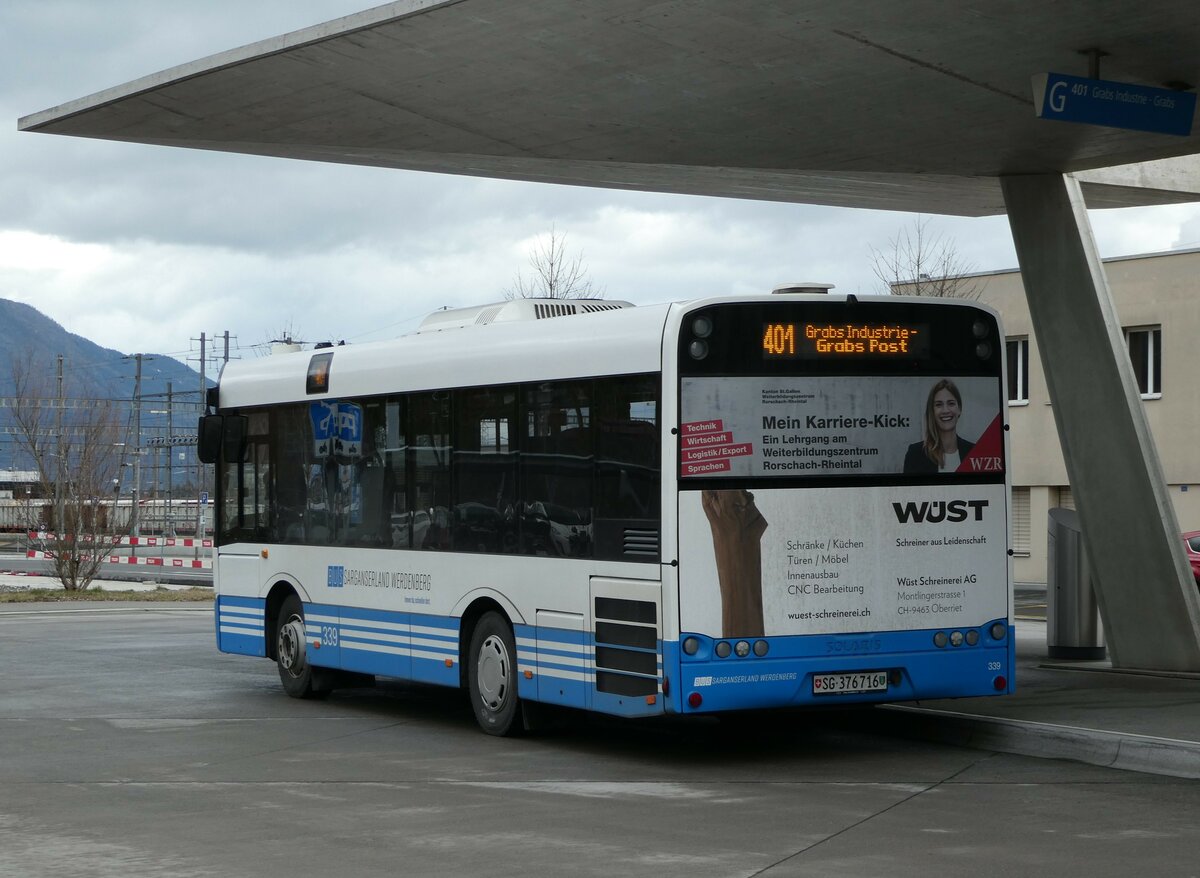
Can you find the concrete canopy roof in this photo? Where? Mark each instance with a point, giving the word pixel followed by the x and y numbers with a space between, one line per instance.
pixel 896 104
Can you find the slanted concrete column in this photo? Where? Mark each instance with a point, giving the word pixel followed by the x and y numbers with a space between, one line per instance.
pixel 1143 583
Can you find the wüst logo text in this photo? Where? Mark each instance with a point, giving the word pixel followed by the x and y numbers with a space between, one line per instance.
pixel 937 511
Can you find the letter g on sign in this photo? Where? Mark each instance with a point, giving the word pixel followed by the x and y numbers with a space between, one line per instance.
pixel 1058 98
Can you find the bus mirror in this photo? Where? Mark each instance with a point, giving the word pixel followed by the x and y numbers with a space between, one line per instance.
pixel 208 438
pixel 234 437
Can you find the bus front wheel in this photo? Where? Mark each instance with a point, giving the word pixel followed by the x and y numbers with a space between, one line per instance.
pixel 299 678
pixel 492 678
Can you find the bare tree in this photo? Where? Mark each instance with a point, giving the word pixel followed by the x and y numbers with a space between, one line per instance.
pixel 72 443
pixel 555 275
pixel 919 262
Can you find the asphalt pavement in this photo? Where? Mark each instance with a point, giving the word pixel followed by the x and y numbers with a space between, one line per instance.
pixel 1079 710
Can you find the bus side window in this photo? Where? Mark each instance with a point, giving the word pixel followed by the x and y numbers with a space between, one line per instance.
pixel 556 470
pixel 394 454
pixel 483 518
pixel 372 483
pixel 290 450
pixel 429 448
pixel 247 502
pixel 627 463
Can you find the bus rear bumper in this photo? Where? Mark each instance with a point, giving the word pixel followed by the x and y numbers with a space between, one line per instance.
pixel 813 672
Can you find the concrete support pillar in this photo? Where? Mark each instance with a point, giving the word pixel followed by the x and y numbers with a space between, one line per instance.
pixel 1144 585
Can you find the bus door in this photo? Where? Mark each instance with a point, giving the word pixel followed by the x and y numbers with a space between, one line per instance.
pixel 240 614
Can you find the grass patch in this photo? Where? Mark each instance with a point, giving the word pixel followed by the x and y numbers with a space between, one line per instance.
pixel 60 595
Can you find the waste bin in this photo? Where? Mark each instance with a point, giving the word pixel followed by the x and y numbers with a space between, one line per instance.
pixel 1073 627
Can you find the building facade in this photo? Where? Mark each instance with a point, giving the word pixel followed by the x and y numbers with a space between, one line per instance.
pixel 1157 298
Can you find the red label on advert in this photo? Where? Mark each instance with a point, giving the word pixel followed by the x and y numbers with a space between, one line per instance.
pixel 706 439
pixel 695 427
pixel 701 469
pixel 719 451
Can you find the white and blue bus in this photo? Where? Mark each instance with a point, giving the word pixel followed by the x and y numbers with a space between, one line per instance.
pixel 726 504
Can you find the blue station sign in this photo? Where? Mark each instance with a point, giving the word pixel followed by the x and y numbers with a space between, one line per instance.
pixel 1113 104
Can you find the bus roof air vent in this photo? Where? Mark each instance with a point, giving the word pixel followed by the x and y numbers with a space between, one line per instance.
pixel 802 288
pixel 515 311
pixel 488 314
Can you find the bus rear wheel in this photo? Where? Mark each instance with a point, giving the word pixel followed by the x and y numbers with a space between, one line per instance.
pixel 299 678
pixel 492 677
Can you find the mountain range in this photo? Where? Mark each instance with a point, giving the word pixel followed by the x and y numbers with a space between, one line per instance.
pixel 90 372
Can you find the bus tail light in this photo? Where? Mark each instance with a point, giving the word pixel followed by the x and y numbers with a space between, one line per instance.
pixel 695 700
pixel 1000 684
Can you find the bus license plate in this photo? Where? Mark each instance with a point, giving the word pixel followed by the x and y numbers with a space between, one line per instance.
pixel 848 684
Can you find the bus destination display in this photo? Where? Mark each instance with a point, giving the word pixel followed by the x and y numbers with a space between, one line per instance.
pixel 815 341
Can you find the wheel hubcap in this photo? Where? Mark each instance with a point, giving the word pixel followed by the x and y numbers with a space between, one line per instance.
pixel 291 646
pixel 492 673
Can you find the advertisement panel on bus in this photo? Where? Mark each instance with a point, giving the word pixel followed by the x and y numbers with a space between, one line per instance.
pixel 832 559
pixel 841 560
pixel 822 426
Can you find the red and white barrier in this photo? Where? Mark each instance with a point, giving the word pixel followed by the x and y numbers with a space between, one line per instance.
pixel 189 563
pixel 181 542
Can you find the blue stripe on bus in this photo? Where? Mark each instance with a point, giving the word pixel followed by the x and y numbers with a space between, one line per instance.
pixel 409 646
pixel 416 647
pixel 239 624
pixel 562 663
pixel 558 662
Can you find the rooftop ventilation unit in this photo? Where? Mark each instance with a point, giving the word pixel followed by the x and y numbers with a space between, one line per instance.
pixel 515 311
pixel 802 288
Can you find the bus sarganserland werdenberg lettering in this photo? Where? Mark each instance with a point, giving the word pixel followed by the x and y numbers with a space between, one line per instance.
pixel 729 504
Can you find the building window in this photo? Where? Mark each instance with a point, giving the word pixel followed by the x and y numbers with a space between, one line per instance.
pixel 1145 353
pixel 1018 370
pixel 1021 531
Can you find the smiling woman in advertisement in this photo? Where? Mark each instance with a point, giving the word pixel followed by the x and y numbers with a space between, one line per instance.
pixel 941 450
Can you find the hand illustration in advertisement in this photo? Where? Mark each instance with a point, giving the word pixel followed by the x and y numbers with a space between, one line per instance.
pixel 737 529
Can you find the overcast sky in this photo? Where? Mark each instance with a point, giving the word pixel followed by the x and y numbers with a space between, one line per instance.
pixel 142 248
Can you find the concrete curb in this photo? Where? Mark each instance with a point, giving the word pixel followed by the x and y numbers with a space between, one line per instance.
pixel 1127 752
pixel 111 607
